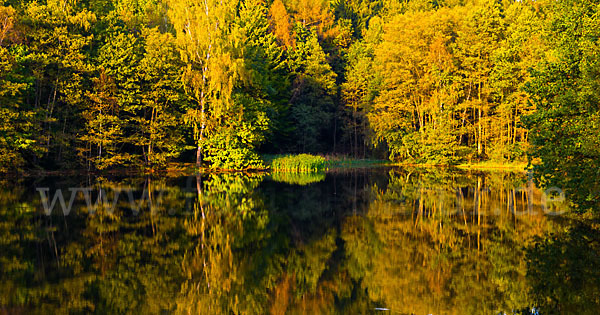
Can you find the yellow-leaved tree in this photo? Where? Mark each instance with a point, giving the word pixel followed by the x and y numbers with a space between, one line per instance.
pixel 418 94
pixel 207 39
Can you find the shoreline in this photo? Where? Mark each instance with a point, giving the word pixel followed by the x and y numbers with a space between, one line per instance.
pixel 184 169
pixel 471 166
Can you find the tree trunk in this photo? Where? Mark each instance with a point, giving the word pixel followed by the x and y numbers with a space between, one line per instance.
pixel 198 157
pixel 479 135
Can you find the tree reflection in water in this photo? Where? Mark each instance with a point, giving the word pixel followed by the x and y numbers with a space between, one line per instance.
pixel 412 241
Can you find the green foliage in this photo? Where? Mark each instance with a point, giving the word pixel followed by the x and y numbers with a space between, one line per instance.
pixel 112 99
pixel 104 130
pixel 360 88
pixel 233 145
pixel 313 90
pixel 16 129
pixel 156 119
pixel 565 128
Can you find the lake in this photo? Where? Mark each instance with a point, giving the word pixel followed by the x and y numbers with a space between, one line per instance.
pixel 352 241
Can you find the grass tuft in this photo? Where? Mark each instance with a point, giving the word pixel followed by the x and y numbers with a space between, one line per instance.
pixel 302 163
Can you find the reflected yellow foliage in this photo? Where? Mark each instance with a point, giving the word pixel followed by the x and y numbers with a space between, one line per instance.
pixel 409 240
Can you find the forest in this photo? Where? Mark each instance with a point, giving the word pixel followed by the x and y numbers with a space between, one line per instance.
pixel 104 84
pixel 109 98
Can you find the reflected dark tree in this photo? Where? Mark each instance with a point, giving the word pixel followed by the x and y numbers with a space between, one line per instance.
pixel 563 270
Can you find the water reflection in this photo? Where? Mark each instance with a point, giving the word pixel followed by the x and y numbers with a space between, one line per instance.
pixel 349 242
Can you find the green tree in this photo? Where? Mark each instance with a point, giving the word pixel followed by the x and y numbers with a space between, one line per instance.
pixel 313 92
pixel 103 129
pixel 58 36
pixel 564 130
pixel 113 101
pixel 360 87
pixel 157 119
pixel 17 126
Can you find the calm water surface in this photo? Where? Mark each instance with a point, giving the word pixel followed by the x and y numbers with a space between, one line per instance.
pixel 380 240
